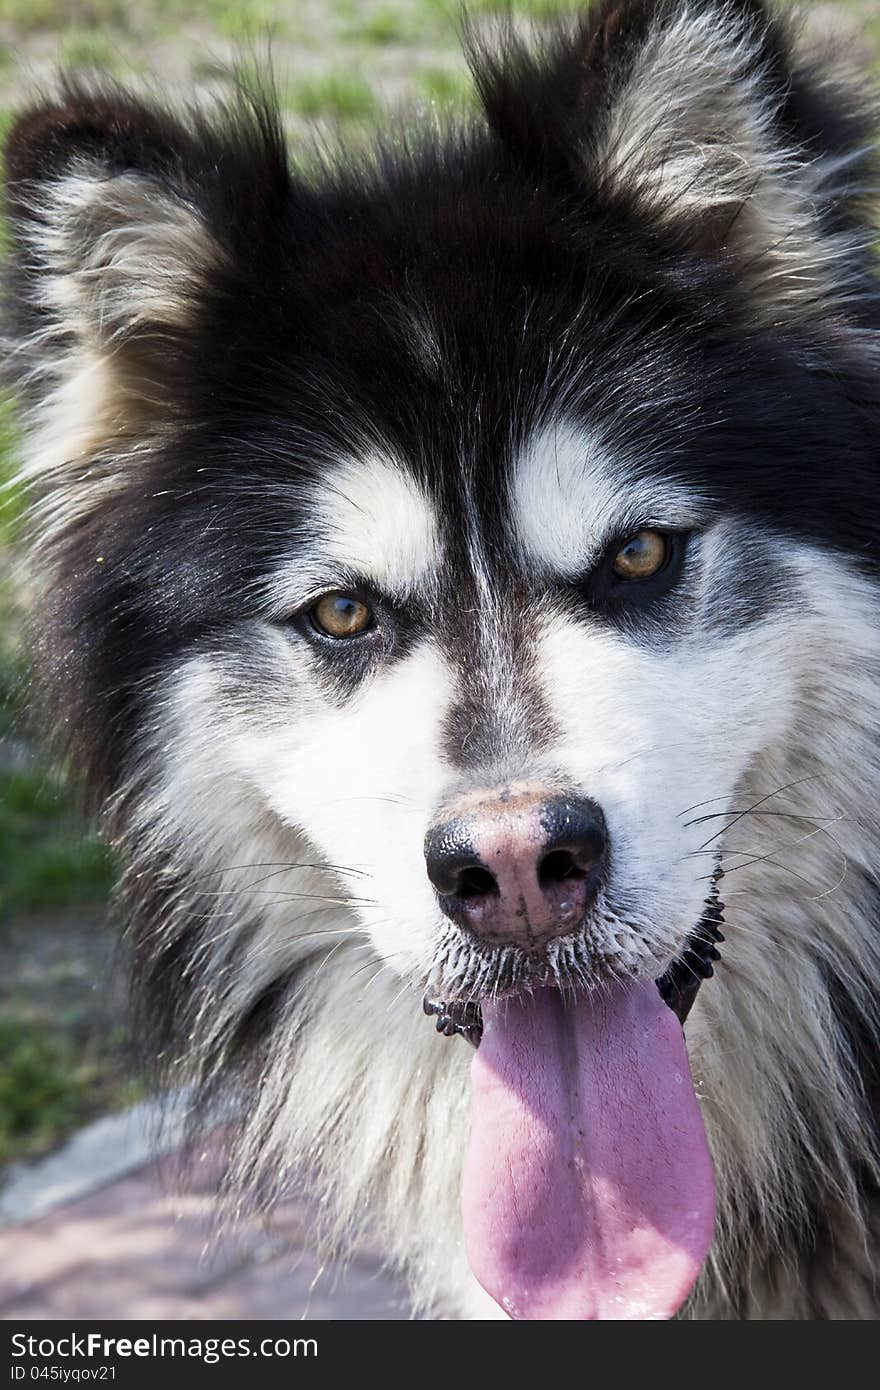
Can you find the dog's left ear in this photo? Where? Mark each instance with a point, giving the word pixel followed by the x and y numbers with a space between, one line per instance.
pixel 708 120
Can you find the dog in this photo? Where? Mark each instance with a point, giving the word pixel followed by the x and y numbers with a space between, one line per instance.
pixel 457 582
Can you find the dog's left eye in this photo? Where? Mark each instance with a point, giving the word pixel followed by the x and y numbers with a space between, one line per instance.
pixel 642 556
pixel 341 615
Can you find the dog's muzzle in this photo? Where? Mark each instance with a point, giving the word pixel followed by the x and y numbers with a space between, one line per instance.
pixel 678 985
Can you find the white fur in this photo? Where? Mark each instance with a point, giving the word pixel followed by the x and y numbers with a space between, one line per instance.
pixel 693 132
pixel 118 257
pixel 370 518
pixel 120 252
pixel 571 495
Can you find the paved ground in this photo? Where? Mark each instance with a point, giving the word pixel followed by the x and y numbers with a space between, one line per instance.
pixel 129 1248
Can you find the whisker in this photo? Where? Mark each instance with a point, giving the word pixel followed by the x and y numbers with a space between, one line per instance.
pixel 287 869
pixel 754 807
pixel 293 939
pixel 788 815
pixel 774 849
pixel 280 896
pixel 654 748
pixel 833 889
pixel 712 799
pixel 768 859
pixel 389 800
pixel 281 865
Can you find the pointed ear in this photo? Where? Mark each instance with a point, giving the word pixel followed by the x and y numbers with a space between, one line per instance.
pixel 705 118
pixel 122 214
pixel 126 223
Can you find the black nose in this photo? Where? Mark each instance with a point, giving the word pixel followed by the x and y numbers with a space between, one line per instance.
pixel 517 866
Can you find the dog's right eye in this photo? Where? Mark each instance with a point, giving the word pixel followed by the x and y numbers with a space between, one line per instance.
pixel 341 615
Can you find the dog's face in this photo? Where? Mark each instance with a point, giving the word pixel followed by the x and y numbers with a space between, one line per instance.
pixel 587 632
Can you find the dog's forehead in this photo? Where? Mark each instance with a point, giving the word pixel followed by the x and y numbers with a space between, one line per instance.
pixel 564 493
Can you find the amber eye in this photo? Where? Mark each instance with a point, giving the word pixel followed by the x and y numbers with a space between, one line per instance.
pixel 643 555
pixel 341 615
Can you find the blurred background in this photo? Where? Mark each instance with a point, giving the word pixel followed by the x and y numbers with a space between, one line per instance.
pixel 65 1061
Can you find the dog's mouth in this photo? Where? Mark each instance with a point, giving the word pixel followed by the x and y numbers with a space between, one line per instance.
pixel 588 1188
pixel 678 985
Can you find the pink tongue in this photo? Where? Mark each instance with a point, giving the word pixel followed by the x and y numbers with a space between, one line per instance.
pixel 588 1189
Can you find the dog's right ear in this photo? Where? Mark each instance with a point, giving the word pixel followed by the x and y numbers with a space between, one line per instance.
pixel 124 222
pixel 122 214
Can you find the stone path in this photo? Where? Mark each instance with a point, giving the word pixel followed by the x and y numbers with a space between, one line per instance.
pixel 134 1245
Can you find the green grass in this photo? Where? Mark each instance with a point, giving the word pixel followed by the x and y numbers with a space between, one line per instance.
pixel 447 87
pixel 384 26
pixel 52 1080
pixel 44 1088
pixel 335 96
pixel 448 11
pixel 82 52
pixel 115 36
pixel 58 1068
pixel 243 20
pixel 529 9
pixel 54 16
pixel 47 860
pixel 11 501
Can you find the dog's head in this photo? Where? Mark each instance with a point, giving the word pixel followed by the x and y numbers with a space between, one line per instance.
pixel 449 514
pixel 449 529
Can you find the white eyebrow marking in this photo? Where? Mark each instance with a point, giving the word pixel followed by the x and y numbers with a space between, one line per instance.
pixel 570 496
pixel 368 517
pixel 374 517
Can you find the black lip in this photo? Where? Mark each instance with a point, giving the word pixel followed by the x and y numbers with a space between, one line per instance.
pixel 465 1019
pixel 678 986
